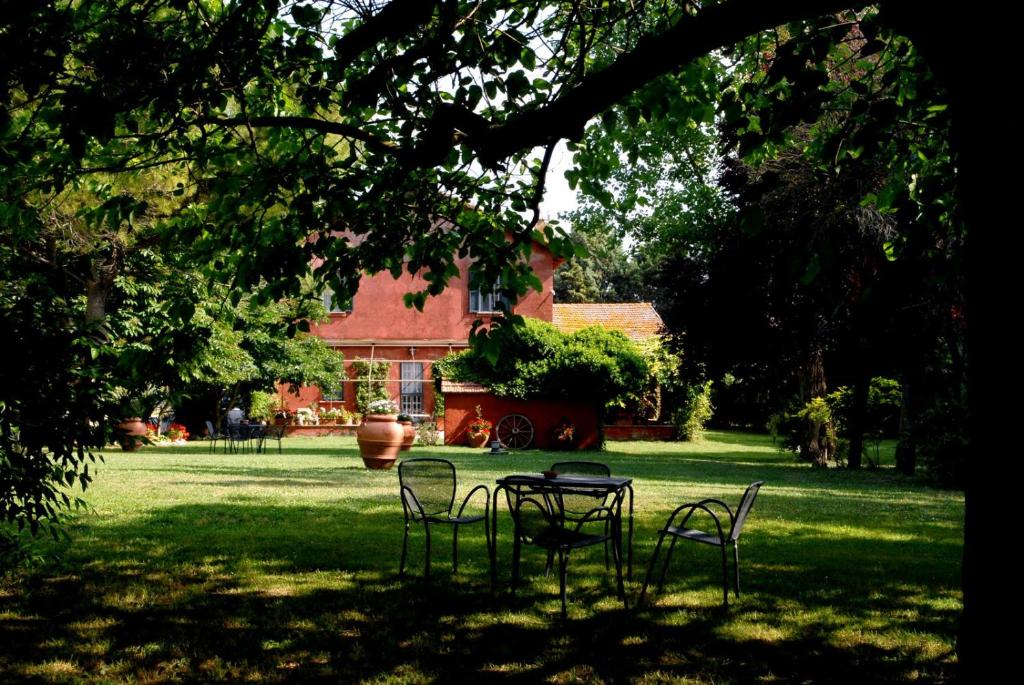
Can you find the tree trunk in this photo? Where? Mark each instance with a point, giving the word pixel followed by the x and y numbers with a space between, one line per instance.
pixel 906 448
pixel 975 73
pixel 857 417
pixel 814 444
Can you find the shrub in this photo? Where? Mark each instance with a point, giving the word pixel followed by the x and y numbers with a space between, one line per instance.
pixel 692 418
pixel 943 443
pixel 535 360
pixel 262 405
pixel 427 434
pixel 368 375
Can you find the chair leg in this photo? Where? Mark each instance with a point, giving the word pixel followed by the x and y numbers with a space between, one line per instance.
pixel 650 567
pixel 455 549
pixel 426 565
pixel 549 564
pixel 563 563
pixel 607 524
pixel 736 563
pixel 725 575
pixel 516 551
pixel 405 549
pixel 617 556
pixel 664 566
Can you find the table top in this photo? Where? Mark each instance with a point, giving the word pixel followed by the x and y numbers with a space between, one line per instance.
pixel 571 480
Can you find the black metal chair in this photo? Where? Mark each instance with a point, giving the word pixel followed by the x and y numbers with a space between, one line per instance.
pixel 214 436
pixel 720 538
pixel 271 433
pixel 578 504
pixel 428 496
pixel 540 519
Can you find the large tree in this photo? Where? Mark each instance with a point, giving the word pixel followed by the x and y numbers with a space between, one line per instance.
pixel 292 120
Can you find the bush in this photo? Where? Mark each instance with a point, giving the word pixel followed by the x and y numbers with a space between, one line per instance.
pixel 368 389
pixel 882 415
pixel 943 443
pixel 427 434
pixel 263 405
pixel 694 415
pixel 535 360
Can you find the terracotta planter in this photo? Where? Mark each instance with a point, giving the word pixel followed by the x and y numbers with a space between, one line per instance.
pixel 410 435
pixel 478 439
pixel 380 439
pixel 130 433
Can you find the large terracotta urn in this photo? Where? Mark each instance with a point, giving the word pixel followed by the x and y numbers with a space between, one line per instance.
pixel 410 435
pixel 130 433
pixel 380 438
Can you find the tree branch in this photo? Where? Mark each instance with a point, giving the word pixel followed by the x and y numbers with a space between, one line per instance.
pixel 309 123
pixel 654 56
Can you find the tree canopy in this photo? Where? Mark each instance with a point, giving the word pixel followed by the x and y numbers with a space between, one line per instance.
pixel 425 129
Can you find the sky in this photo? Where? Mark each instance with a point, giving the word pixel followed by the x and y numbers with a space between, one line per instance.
pixel 558 197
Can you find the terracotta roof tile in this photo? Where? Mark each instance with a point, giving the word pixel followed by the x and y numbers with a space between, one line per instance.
pixel 638 320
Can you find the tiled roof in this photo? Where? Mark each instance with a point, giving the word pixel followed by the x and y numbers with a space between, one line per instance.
pixel 638 320
pixel 463 387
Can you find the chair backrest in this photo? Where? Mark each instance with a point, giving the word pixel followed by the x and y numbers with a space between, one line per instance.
pixel 576 505
pixel 590 468
pixel 210 430
pixel 534 511
pixel 746 502
pixel 274 432
pixel 432 482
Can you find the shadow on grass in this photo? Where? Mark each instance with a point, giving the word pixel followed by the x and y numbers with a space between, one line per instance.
pixel 232 592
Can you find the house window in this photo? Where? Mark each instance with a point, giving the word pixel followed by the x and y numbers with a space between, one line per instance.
pixel 488 303
pixel 336 307
pixel 410 399
pixel 335 393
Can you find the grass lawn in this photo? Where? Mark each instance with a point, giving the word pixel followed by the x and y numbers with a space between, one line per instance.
pixel 283 567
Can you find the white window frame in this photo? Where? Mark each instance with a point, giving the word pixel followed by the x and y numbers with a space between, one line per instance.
pixel 487 303
pixel 327 298
pixel 411 386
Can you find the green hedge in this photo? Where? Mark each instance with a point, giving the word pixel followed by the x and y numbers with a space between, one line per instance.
pixel 535 360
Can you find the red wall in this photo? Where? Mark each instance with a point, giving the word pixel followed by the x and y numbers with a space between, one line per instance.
pixel 378 312
pixel 380 316
pixel 460 409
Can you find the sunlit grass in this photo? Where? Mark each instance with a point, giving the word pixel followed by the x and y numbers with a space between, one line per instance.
pixel 282 567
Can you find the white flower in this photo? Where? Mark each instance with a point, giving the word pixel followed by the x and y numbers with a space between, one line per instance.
pixel 381 407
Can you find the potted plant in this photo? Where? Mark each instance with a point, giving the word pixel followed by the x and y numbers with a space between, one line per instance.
pixel 405 421
pixel 479 430
pixel 563 436
pixel 380 436
pixel 331 416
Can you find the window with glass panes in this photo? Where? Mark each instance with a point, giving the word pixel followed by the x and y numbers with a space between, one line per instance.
pixel 483 303
pixel 336 307
pixel 334 393
pixel 410 399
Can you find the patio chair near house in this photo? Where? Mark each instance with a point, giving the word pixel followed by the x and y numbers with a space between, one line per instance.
pixel 720 538
pixel 215 436
pixel 428 487
pixel 271 433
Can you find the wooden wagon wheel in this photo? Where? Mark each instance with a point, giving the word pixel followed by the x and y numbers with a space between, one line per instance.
pixel 515 431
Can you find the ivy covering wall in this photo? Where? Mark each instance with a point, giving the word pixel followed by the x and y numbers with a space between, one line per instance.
pixel 536 360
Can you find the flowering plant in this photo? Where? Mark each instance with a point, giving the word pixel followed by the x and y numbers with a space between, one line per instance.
pixel 176 432
pixel 381 407
pixel 564 432
pixel 479 424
